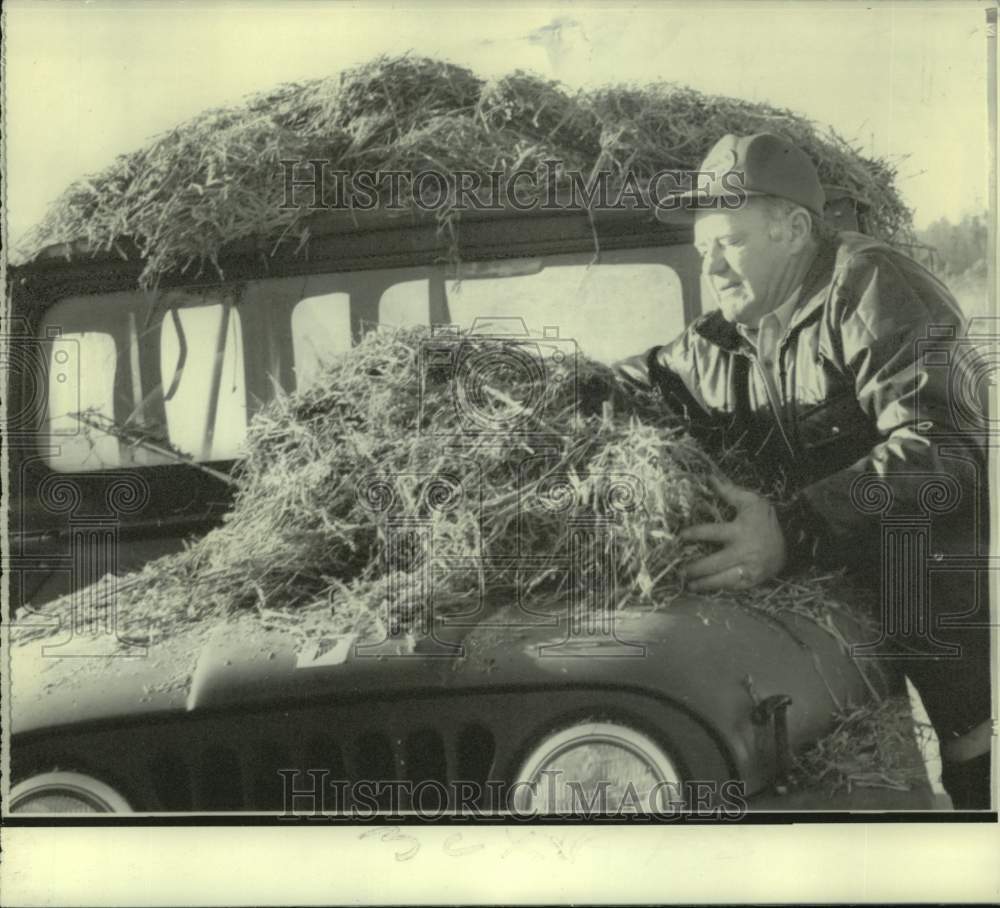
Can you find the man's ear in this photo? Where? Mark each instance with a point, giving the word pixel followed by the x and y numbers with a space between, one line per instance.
pixel 799 229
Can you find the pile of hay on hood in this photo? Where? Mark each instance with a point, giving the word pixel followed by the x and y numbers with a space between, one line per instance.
pixel 383 440
pixel 870 746
pixel 218 178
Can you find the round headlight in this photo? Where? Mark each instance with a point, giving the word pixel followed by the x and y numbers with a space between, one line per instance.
pixel 597 767
pixel 65 792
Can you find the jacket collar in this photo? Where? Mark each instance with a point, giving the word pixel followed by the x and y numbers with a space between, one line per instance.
pixel 714 327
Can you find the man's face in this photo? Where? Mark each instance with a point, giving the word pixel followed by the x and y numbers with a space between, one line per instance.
pixel 742 261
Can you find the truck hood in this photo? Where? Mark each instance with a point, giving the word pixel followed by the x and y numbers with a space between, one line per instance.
pixel 713 658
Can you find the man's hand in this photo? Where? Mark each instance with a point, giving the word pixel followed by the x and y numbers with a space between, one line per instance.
pixel 753 547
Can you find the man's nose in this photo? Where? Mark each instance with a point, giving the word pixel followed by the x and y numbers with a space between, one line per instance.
pixel 714 261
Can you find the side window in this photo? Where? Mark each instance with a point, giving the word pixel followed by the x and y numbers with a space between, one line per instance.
pixel 127 390
pixel 134 377
pixel 406 304
pixel 321 328
pixel 610 310
pixel 203 380
pixel 80 399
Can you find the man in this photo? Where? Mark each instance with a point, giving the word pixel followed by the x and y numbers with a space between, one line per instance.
pixel 812 364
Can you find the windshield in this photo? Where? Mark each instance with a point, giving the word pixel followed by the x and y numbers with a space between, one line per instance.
pixel 138 379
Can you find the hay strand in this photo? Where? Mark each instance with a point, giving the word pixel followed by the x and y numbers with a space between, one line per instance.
pixel 218 178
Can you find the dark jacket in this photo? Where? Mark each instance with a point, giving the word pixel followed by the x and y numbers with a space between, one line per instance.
pixel 868 426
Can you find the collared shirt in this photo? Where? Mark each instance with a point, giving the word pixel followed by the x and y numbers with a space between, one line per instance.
pixel 765 339
pixel 767 335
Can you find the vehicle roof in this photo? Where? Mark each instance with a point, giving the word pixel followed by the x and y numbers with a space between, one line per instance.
pixel 359 240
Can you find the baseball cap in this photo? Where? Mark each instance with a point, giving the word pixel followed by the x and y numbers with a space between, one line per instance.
pixel 762 164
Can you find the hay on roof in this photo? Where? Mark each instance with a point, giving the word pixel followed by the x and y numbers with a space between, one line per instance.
pixel 218 178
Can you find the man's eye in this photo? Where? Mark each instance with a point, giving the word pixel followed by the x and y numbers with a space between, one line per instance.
pixel 721 243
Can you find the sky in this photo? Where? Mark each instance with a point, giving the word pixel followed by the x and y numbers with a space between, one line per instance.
pixel 87 81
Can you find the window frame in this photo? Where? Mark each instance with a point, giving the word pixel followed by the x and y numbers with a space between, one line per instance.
pixel 266 324
pixel 135 323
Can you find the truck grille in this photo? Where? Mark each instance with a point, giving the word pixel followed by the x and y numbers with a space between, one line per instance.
pixel 260 773
pixel 249 758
